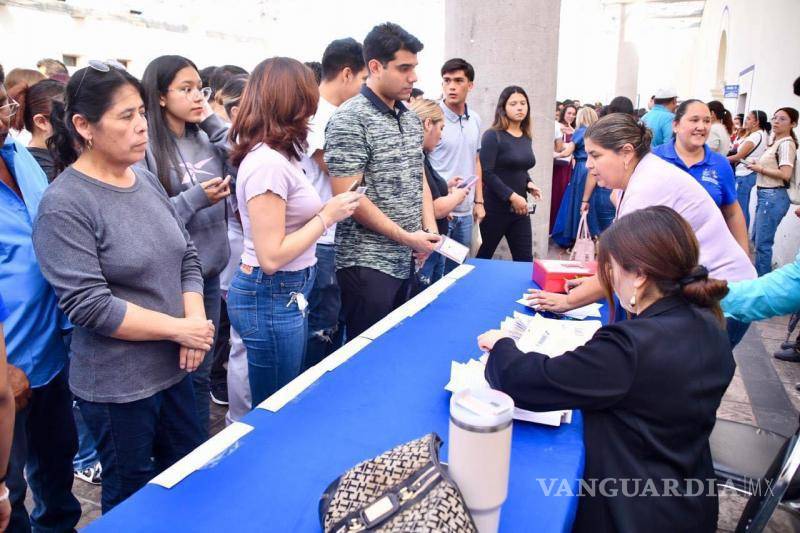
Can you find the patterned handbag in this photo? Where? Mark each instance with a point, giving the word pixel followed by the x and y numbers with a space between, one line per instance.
pixel 404 489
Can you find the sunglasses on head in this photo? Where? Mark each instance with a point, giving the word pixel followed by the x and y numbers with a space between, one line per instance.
pixel 99 66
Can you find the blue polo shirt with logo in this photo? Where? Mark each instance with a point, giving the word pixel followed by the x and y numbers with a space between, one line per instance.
pixel 714 172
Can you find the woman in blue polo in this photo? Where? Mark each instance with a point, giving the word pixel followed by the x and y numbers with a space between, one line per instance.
pixel 689 152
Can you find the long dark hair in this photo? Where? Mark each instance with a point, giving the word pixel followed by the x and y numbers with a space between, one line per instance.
pixel 279 98
pixel 501 121
pixel 156 80
pixel 722 114
pixel 563 113
pixel 89 93
pixel 763 120
pixel 658 243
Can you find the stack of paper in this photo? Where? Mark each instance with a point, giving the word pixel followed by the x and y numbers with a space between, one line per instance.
pixel 532 333
pixel 581 313
pixel 469 375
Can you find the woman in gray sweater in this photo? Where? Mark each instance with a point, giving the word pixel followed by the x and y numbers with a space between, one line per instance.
pixel 128 277
pixel 188 152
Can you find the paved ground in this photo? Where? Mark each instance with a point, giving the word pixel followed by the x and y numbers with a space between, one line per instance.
pixel 762 393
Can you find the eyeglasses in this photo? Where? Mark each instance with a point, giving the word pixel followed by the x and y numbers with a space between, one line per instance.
pixel 9 110
pixel 99 66
pixel 189 92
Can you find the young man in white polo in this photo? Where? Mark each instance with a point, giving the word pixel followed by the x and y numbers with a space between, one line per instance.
pixel 457 152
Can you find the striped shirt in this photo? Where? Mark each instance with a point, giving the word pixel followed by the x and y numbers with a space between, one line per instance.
pixel 365 137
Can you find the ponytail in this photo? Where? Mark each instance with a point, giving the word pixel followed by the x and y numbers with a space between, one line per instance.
pixel 703 291
pixel 62 143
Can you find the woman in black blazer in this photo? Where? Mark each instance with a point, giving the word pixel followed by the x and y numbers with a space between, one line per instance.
pixel 649 387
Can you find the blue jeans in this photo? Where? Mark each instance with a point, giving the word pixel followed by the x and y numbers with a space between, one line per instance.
pixel 772 207
pixel 87 452
pixel 201 378
pixel 43 447
pixel 138 440
pixel 323 308
pixel 461 231
pixel 265 310
pixel 744 185
pixel 432 271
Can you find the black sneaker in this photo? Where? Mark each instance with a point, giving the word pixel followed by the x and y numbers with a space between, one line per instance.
pixel 790 356
pixel 219 393
pixel 92 474
pixel 788 344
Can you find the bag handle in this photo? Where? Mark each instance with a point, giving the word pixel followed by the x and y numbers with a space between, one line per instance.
pixel 583 227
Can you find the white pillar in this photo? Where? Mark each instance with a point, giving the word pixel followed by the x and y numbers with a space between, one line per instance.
pixel 513 42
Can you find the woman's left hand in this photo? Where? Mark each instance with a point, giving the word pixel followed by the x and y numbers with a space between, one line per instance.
pixel 487 341
pixel 535 191
pixel 548 301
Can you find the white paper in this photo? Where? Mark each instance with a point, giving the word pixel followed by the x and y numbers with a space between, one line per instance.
pixel 459 272
pixel 344 353
pixel 452 249
pixel 289 391
pixel 440 286
pixel 202 455
pixel 554 337
pixel 470 375
pixel 581 313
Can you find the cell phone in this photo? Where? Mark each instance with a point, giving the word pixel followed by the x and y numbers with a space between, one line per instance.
pixel 469 182
pixel 361 190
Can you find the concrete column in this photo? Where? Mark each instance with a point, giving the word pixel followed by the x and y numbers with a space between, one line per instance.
pixel 627 61
pixel 513 42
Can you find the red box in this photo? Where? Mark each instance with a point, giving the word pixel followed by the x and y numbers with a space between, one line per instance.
pixel 550 274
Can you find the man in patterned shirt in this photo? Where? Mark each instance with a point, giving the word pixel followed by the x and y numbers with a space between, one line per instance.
pixel 373 138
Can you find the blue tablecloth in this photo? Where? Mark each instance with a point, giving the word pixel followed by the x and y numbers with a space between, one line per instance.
pixel 389 393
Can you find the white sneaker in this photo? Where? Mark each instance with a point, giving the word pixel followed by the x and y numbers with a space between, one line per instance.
pixel 92 474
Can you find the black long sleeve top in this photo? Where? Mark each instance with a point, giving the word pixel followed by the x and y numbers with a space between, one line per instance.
pixel 505 161
pixel 649 389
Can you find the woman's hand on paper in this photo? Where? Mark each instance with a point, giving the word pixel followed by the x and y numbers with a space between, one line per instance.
pixel 548 301
pixel 487 341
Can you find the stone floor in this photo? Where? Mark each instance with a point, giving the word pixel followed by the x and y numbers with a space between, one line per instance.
pixel 762 393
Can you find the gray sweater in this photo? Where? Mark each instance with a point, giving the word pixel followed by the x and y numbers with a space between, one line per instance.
pixel 100 247
pixel 205 152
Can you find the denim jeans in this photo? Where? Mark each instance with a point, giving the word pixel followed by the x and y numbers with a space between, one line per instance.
pixel 138 440
pixel 324 305
pixel 87 452
pixel 201 378
pixel 266 312
pixel 772 207
pixel 432 271
pixel 744 185
pixel 44 445
pixel 461 231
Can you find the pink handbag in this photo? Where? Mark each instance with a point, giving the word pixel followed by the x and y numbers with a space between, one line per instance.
pixel 584 245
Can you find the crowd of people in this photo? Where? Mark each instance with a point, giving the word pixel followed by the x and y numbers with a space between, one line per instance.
pixel 207 234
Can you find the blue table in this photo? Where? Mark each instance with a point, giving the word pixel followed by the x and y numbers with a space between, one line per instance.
pixel 389 393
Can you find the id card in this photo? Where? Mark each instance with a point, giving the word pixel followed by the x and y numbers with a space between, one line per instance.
pixel 452 249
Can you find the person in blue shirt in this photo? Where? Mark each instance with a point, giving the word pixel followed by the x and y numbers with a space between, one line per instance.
pixel 689 152
pixel 659 119
pixel 6 423
pixel 45 439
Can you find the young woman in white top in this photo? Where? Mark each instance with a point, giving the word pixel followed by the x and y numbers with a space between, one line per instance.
pixel 752 146
pixel 719 139
pixel 774 168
